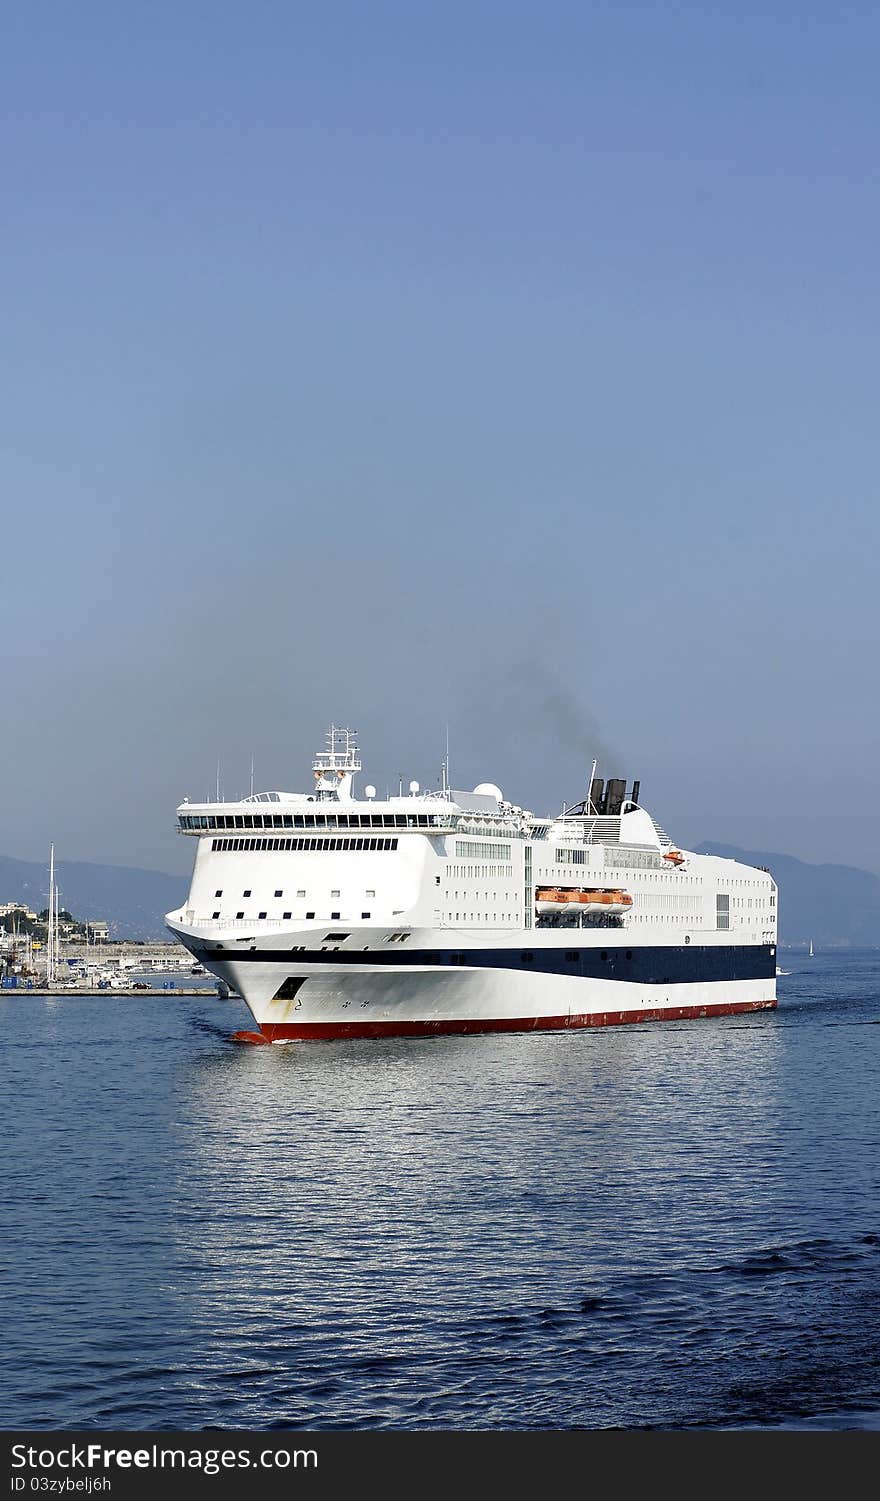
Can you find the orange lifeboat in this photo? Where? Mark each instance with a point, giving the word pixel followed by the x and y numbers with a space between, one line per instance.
pixel 550 901
pixel 675 857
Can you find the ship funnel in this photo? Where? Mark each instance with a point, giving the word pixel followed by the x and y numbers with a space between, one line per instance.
pixel 615 793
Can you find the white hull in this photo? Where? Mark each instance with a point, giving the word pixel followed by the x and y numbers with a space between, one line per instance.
pixel 326 999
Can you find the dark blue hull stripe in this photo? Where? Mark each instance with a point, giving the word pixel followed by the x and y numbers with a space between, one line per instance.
pixel 680 965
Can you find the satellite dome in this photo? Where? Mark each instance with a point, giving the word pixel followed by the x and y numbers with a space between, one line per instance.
pixel 488 789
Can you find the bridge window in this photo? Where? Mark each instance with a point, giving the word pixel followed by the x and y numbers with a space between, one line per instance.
pixel 305 844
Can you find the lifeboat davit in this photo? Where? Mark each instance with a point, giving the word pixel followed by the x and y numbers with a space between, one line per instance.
pixel 553 901
pixel 675 857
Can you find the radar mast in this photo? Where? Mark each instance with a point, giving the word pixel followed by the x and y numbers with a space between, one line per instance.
pixel 334 767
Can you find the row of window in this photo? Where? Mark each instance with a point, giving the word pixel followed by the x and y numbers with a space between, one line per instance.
pixel 370 891
pixel 489 830
pixel 198 822
pixel 636 859
pixel 341 937
pixel 304 845
pixel 663 918
pixel 670 901
pixel 472 849
pixel 465 896
pixel 475 917
pixel 572 956
pixel 261 916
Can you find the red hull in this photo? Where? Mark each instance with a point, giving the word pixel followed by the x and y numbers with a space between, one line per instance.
pixel 323 1031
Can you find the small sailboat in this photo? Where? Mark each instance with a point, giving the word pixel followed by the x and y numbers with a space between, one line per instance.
pixel 810 955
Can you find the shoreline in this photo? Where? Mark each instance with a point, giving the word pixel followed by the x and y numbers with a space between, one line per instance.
pixel 109 991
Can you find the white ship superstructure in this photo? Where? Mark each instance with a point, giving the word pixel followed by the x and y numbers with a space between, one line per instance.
pixel 339 916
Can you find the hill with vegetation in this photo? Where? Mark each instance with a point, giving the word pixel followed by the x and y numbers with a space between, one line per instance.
pixel 132 902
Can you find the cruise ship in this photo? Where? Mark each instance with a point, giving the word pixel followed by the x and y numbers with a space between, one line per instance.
pixel 335 915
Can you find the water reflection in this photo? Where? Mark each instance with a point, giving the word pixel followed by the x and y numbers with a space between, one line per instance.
pixel 375 1200
pixel 664 1224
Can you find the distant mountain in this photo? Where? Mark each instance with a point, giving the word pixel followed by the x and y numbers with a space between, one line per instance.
pixel 832 904
pixel 133 902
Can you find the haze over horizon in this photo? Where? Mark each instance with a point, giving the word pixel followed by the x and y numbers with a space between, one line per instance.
pixel 504 366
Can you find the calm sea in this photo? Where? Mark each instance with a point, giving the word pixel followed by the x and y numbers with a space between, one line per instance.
pixel 667 1225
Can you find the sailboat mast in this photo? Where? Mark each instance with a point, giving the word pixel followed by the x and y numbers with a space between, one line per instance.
pixel 50 938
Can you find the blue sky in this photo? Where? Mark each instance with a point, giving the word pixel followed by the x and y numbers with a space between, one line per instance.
pixel 506 365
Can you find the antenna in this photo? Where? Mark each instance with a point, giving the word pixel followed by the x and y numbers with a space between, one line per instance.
pixel 218 779
pixel 590 807
pixel 252 774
